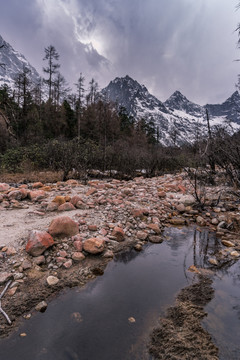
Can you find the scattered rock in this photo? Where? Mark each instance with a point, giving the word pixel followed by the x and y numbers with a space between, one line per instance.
pixel 11 251
pixel 155 228
pixel 118 233
pixel 155 239
pixel 222 225
pixel 36 195
pixel 162 194
pixel 66 207
pixel 27 316
pixel 23 335
pixel 15 194
pixel 213 261
pixel 187 200
pixel 68 264
pixel 181 208
pixel 228 243
pixel 76 316
pixel 177 221
pixel 24 193
pixel 4 277
pixel 38 242
pixel 52 280
pixel 78 245
pixel 108 254
pixel 92 227
pixel 52 206
pixel 91 191
pixel 131 320
pixel 12 291
pixel 41 307
pixel 138 247
pixel 39 260
pixel 78 256
pixel 26 264
pixel 4 187
pixel 235 254
pixel 76 201
pixel 37 185
pixel 63 226
pixel 193 268
pixel 142 235
pixel 72 182
pixel 94 245
pixel 200 221
pixel 63 253
pixel 59 200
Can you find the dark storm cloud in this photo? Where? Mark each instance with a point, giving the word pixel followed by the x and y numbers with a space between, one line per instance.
pixel 168 45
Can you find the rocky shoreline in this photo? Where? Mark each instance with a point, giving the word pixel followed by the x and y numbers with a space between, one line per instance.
pixel 62 235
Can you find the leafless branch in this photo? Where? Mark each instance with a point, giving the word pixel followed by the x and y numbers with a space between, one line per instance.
pixel 1 295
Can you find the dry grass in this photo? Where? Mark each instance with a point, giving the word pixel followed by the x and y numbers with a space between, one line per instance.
pixel 32 176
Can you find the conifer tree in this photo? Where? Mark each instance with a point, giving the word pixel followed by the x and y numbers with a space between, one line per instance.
pixel 80 102
pixel 51 55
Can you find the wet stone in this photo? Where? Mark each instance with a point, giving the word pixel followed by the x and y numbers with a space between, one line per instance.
pixel 138 247
pixel 228 243
pixel 200 221
pixel 155 239
pixel 177 221
pixel 42 306
pixel 213 261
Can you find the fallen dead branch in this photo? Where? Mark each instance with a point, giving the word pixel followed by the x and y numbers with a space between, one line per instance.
pixel 1 295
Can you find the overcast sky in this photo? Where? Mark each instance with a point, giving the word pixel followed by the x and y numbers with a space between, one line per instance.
pixel 167 45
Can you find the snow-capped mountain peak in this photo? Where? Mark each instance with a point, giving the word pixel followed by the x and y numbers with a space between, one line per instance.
pixel 177 120
pixel 177 101
pixel 13 63
pixel 133 96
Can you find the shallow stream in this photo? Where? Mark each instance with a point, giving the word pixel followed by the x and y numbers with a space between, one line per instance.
pixel 112 317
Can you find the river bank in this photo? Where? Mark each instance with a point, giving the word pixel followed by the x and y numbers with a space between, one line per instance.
pixel 116 215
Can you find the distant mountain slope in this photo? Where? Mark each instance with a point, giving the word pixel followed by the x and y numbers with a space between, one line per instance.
pixel 14 63
pixel 229 108
pixel 178 101
pixel 178 120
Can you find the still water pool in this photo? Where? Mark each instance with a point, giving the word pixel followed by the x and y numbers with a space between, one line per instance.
pixel 93 323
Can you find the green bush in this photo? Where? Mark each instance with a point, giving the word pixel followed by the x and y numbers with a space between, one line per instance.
pixel 12 159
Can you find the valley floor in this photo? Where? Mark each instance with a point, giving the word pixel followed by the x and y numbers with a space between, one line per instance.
pixel 116 215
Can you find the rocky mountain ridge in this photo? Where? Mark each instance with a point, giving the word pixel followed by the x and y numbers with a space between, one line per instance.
pixel 12 63
pixel 178 120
